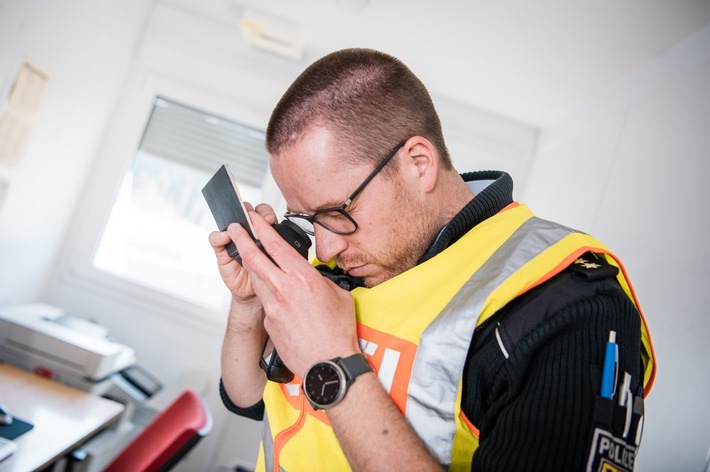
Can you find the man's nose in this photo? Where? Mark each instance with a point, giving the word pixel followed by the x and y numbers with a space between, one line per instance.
pixel 328 244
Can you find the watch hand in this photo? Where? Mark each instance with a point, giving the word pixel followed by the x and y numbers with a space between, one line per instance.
pixel 325 384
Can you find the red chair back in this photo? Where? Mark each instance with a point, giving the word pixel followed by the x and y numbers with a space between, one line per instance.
pixel 167 438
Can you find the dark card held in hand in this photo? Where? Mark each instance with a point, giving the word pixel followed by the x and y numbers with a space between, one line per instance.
pixel 226 205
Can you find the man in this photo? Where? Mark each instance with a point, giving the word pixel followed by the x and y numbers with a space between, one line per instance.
pixel 478 338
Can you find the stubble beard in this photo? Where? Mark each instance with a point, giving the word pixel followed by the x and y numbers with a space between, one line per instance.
pixel 408 240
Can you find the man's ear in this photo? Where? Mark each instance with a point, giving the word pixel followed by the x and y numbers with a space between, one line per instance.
pixel 425 161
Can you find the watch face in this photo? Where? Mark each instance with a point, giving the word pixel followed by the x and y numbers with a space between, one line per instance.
pixel 324 384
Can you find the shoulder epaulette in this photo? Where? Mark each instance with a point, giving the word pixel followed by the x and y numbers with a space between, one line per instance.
pixel 593 267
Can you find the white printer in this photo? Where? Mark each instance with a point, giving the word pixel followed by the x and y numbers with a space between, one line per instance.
pixel 45 340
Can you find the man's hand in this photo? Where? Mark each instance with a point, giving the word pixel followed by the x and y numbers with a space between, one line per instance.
pixel 233 274
pixel 307 316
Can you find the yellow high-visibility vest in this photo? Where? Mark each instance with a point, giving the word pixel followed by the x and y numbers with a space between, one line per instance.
pixel 416 329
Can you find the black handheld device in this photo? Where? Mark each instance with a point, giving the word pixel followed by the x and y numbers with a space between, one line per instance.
pixel 227 207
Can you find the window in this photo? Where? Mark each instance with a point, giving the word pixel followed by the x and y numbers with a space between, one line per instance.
pixel 156 234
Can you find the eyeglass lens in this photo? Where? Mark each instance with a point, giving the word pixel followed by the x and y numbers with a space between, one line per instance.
pixel 334 220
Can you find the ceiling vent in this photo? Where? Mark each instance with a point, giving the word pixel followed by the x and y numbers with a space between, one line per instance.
pixel 272 33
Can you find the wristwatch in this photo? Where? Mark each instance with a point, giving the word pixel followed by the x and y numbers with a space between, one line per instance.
pixel 326 382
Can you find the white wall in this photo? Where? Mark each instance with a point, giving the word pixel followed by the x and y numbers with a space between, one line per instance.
pixel 86 47
pixel 632 169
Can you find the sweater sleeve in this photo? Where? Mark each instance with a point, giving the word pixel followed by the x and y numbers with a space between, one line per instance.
pixel 533 401
pixel 254 412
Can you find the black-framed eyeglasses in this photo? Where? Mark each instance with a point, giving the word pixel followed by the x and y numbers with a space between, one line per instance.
pixel 337 219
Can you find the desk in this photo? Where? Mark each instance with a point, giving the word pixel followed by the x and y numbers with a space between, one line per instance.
pixel 63 417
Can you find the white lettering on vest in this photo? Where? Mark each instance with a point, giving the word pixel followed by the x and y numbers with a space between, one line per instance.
pixel 390 360
pixel 293 389
pixel 388 368
pixel 368 347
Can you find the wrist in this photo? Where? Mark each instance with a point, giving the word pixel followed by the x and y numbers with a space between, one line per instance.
pixel 327 382
pixel 245 315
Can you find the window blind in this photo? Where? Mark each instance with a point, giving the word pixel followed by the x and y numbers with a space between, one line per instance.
pixel 205 141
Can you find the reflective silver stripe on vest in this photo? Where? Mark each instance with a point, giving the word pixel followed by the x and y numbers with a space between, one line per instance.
pixel 438 365
pixel 268 444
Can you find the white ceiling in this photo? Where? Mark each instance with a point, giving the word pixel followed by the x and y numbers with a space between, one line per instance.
pixel 533 61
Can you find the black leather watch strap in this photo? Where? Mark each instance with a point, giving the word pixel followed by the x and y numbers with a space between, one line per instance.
pixel 354 366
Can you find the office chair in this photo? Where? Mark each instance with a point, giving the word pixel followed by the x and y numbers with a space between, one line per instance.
pixel 167 438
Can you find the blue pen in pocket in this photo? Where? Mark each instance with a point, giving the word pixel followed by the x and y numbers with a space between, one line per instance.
pixel 611 365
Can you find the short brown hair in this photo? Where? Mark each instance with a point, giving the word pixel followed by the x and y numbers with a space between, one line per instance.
pixel 369 99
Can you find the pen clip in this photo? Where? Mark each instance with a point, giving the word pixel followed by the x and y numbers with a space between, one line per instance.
pixel 626 399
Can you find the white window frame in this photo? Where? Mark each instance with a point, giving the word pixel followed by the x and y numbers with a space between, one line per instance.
pixel 114 158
